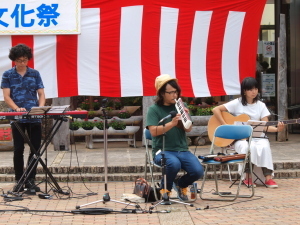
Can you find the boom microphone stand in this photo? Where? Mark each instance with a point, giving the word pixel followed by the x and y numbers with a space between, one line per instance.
pixel 106 197
pixel 165 198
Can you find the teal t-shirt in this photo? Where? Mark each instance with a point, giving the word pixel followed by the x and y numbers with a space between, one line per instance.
pixel 175 139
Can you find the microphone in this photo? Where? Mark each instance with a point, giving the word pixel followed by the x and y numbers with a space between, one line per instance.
pixel 172 114
pixel 104 101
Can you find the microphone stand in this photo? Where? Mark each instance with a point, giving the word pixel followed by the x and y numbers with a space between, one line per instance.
pixel 165 198
pixel 106 197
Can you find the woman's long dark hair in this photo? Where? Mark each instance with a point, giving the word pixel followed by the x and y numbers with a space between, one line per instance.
pixel 247 84
pixel 160 95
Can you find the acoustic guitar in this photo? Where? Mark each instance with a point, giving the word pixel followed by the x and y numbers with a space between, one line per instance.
pixel 213 123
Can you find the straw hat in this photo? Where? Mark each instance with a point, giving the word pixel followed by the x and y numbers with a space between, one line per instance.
pixel 161 80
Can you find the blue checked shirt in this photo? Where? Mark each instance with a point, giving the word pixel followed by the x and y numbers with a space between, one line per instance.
pixel 23 90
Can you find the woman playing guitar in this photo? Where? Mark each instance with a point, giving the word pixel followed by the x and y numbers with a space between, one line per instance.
pixel 249 104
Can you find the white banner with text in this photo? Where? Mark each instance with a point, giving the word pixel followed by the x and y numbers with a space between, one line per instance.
pixel 19 17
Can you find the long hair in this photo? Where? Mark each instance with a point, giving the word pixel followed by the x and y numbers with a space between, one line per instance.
pixel 247 84
pixel 159 100
pixel 20 50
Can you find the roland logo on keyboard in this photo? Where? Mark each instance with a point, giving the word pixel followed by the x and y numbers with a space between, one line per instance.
pixel 36 116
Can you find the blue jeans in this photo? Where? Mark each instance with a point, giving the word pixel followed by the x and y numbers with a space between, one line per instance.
pixel 180 160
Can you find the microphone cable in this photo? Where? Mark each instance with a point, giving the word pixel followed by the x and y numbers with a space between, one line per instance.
pixel 80 172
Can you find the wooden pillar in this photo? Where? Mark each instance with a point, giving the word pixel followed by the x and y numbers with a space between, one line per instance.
pixel 282 80
pixel 91 100
pixel 61 140
pixel 147 102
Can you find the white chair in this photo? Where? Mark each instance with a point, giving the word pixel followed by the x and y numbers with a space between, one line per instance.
pixel 234 132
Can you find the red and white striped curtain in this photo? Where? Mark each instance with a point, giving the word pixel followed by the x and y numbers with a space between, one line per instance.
pixel 209 45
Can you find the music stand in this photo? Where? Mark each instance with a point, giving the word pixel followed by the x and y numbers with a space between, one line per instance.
pixel 258 132
pixel 39 113
pixel 106 197
pixel 38 110
pixel 165 198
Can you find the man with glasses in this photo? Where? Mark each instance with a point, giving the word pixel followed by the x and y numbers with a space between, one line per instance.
pixel 23 89
pixel 177 154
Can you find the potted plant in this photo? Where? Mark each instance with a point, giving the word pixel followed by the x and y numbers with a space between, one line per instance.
pixel 209 100
pixel 109 111
pixel 204 111
pixel 200 115
pixel 117 103
pixel 99 125
pixel 117 124
pixel 192 110
pixel 123 114
pixel 87 125
pixel 132 101
pixel 198 110
pixel 91 114
pixel 85 105
pixel 96 104
pixel 75 125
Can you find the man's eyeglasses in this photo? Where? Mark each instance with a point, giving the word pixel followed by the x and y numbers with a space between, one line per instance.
pixel 21 61
pixel 171 92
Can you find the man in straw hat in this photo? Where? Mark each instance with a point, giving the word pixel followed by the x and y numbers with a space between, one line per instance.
pixel 177 154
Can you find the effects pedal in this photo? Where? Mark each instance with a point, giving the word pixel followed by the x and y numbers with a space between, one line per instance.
pixel 30 191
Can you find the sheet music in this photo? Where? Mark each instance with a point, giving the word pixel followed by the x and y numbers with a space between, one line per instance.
pixel 48 109
pixel 258 127
pixel 39 110
pixel 59 109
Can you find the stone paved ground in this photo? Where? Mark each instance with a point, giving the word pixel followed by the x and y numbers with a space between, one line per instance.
pixel 268 206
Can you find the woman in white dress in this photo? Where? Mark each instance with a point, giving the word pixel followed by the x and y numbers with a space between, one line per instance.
pixel 249 104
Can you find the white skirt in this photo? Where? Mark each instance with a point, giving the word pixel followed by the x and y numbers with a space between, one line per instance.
pixel 261 155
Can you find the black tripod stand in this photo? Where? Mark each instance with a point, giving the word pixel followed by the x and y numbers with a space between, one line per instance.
pixel 106 197
pixel 165 197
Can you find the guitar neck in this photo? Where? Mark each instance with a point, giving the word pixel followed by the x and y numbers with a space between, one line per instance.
pixel 271 123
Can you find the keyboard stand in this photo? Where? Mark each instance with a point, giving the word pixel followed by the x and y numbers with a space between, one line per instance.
pixel 38 153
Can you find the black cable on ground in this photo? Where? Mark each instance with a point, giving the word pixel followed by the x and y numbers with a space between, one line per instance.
pixel 88 211
pixel 101 211
pixel 93 211
pixel 233 203
pixel 81 177
pixel 248 200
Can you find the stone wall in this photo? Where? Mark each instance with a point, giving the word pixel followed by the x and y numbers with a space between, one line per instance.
pixel 3 106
